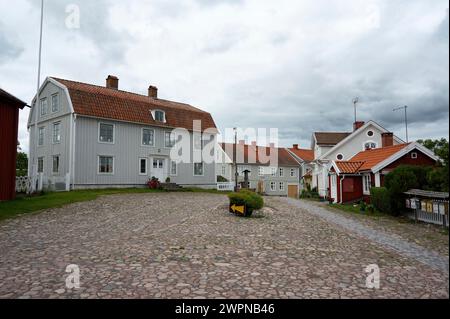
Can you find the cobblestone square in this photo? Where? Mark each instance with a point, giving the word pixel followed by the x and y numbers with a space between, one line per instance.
pixel 187 245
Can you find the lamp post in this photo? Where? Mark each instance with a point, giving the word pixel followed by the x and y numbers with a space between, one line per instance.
pixel 236 174
pixel 406 119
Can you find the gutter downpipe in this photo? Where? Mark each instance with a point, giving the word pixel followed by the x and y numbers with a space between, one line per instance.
pixel 340 190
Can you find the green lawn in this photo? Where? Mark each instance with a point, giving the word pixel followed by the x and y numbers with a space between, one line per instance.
pixel 354 209
pixel 27 204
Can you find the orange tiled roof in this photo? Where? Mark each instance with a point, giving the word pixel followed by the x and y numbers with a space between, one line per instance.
pixel 107 103
pixel 304 154
pixel 349 167
pixel 375 156
pixel 251 154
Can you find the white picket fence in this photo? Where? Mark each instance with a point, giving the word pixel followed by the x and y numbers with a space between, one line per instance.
pixel 30 184
pixel 431 218
pixel 225 187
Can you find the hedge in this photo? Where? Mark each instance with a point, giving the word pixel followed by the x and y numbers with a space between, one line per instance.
pixel 248 198
pixel 381 199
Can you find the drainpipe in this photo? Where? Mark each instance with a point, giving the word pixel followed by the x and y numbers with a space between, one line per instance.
pixel 340 191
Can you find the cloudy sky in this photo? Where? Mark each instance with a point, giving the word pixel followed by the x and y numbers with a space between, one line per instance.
pixel 292 65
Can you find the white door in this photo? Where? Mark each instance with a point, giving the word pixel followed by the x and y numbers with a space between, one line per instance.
pixel 159 169
pixel 334 187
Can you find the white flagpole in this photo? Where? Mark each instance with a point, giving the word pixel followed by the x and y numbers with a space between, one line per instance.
pixel 36 104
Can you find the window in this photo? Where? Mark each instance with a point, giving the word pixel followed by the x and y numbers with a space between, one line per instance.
pixel 367 184
pixel 40 165
pixel 56 133
pixel 41 136
pixel 340 157
pixel 224 170
pixel 273 186
pixel 370 133
pixel 293 172
pixel 169 139
pixel 198 169
pixel 55 164
pixel 44 107
pixel 261 171
pixel 414 155
pixel 148 137
pixel 281 186
pixel 142 166
pixel 158 163
pixel 370 145
pixel 55 103
pixel 281 172
pixel 173 168
pixel 106 133
pixel 273 171
pixel 106 164
pixel 197 141
pixel 159 116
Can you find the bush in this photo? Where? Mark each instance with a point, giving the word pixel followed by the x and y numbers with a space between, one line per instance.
pixel 381 200
pixel 221 179
pixel 437 179
pixel 247 198
pixel 154 183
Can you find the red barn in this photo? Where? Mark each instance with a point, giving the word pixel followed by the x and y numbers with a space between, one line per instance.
pixel 352 180
pixel 9 122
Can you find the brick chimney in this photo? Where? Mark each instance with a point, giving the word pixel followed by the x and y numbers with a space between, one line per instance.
pixel 357 125
pixel 112 82
pixel 387 139
pixel 153 91
pixel 295 147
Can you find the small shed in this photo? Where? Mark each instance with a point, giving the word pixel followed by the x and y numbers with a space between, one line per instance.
pixel 428 206
pixel 9 124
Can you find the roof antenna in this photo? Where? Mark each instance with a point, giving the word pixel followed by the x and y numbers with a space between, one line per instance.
pixel 355 102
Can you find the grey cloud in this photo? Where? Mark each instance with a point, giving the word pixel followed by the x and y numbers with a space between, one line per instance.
pixel 217 2
pixel 8 49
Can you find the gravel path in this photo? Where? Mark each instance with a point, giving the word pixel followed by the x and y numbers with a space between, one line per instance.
pixel 187 245
pixel 430 258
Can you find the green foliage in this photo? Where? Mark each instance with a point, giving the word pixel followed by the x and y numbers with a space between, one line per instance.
pixel 22 164
pixel 248 198
pixel 221 179
pixel 400 180
pixel 439 147
pixel 381 199
pixel 362 206
pixel 437 179
pixel 310 194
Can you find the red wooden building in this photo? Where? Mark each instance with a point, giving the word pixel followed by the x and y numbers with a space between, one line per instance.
pixel 352 180
pixel 9 123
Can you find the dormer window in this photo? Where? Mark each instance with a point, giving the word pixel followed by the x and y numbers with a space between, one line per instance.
pixel 370 146
pixel 159 116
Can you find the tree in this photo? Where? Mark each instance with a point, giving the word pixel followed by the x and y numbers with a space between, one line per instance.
pixel 439 147
pixel 22 164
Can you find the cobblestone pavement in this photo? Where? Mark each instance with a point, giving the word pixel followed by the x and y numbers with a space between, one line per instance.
pixel 185 245
pixel 431 258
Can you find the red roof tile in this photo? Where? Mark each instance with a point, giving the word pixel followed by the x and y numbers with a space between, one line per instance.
pixel 375 156
pixel 107 103
pixel 304 154
pixel 349 167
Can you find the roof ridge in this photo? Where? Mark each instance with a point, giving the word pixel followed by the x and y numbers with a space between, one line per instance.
pixel 128 92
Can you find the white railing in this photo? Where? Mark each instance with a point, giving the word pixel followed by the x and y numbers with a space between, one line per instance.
pixel 24 184
pixel 225 187
pixel 431 218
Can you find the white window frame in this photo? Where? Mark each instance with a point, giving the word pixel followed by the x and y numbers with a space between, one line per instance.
pixel 281 172
pixel 56 95
pixel 414 155
pixel 203 169
pixel 170 139
pixel 41 142
pixel 371 142
pixel 146 166
pixel 373 133
pixel 293 172
pixel 273 171
pixel 113 165
pixel 142 137
pixel 273 189
pixel 224 170
pixel 170 168
pixel 281 186
pixel 260 171
pixel 43 110
pixel 340 155
pixel 58 139
pixel 367 184
pixel 154 116
pixel 53 164
pixel 114 133
pixel 41 159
